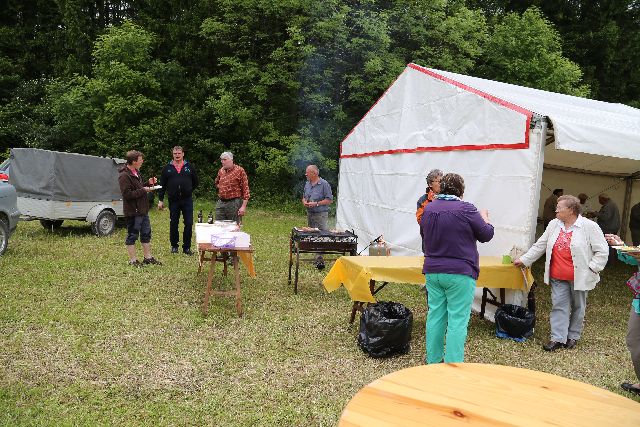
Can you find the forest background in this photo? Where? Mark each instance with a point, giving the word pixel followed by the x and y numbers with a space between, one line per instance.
pixel 278 82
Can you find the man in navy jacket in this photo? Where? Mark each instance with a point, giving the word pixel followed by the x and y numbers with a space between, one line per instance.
pixel 178 180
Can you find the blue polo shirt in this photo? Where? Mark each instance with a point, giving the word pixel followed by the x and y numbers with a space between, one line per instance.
pixel 316 193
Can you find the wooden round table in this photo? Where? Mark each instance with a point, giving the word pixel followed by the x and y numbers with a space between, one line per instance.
pixel 485 395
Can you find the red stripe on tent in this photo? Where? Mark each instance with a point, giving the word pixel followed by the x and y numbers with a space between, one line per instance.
pixel 499 101
pixel 446 148
pixel 485 95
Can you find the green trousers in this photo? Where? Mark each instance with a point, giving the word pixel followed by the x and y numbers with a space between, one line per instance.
pixel 449 301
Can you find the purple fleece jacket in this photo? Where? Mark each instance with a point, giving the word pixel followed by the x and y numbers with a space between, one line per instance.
pixel 451 229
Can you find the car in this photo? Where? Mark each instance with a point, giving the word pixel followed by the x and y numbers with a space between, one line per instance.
pixel 5 168
pixel 9 214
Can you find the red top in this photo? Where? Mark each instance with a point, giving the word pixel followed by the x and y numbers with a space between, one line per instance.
pixel 561 267
pixel 178 166
pixel 232 183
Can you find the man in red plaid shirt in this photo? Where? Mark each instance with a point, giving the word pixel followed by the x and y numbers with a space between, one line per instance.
pixel 233 190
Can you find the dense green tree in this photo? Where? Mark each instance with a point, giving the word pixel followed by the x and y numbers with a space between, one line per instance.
pixel 526 50
pixel 602 37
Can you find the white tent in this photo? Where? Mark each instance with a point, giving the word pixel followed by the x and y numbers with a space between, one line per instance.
pixel 511 144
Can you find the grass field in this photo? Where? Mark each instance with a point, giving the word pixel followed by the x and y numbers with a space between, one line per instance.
pixel 87 340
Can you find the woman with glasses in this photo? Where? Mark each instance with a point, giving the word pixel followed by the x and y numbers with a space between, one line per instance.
pixel 576 252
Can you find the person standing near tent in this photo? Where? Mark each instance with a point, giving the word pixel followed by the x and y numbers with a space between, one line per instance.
pixel 633 325
pixel 316 198
pixel 233 190
pixel 451 230
pixel 136 208
pixel 433 188
pixel 585 209
pixel 608 218
pixel 549 211
pixel 178 179
pixel 634 224
pixel 576 253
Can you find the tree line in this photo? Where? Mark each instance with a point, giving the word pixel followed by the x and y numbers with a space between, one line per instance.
pixel 279 83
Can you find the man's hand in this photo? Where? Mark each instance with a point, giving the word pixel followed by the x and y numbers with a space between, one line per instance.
pixel 153 180
pixel 160 205
pixel 518 263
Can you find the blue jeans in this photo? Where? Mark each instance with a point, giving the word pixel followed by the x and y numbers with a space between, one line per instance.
pixel 138 225
pixel 177 207
pixel 449 299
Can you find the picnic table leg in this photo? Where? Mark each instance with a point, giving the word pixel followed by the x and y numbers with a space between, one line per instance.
pixel 207 294
pixel 357 306
pixel 201 261
pixel 236 269
pixel 483 302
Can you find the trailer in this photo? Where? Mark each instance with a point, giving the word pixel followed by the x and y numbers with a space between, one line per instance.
pixel 54 186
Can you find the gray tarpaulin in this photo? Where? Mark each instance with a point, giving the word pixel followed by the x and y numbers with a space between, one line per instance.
pixel 60 176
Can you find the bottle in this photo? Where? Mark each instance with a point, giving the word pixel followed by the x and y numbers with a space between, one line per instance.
pixel 200 216
pixel 210 218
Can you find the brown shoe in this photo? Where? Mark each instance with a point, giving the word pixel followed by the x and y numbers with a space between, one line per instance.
pixel 552 346
pixel 571 343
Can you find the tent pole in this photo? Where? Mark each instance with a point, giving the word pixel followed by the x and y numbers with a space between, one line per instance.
pixel 626 207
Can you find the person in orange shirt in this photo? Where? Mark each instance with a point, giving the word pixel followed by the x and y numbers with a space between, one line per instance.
pixel 233 190
pixel 433 188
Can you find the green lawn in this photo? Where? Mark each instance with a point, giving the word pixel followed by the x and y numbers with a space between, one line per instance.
pixel 87 340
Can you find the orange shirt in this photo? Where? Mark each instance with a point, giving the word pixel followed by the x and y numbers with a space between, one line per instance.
pixel 561 266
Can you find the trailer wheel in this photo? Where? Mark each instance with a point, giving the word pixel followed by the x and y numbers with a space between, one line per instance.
pixel 51 224
pixel 4 235
pixel 105 223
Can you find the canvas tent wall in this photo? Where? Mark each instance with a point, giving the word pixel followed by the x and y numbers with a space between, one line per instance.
pixel 497 136
pixel 512 145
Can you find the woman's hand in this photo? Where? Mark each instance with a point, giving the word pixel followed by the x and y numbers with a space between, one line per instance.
pixel 484 213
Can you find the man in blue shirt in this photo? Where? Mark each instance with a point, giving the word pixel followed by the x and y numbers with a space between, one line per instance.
pixel 316 198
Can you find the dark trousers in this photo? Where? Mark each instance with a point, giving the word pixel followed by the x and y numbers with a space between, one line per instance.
pixel 176 207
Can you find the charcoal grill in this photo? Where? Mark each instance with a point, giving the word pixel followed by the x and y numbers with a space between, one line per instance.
pixel 319 242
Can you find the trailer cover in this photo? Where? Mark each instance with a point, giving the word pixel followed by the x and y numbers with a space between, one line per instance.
pixel 53 175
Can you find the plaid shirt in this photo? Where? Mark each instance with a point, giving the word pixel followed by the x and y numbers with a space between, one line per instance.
pixel 233 183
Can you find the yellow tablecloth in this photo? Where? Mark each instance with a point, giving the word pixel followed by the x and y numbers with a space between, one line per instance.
pixel 355 272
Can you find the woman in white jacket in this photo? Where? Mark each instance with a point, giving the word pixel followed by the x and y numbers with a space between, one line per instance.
pixel 576 252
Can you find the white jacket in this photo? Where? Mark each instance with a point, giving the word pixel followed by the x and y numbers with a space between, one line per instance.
pixel 589 251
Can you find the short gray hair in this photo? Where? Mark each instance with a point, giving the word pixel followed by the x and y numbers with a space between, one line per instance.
pixel 314 168
pixel 433 175
pixel 571 202
pixel 227 155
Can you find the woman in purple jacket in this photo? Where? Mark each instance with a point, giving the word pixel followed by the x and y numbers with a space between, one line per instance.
pixel 451 228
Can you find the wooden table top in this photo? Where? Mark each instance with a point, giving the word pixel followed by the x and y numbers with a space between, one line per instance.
pixel 485 395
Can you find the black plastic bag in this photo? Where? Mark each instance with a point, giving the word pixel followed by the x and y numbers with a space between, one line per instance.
pixel 385 329
pixel 514 321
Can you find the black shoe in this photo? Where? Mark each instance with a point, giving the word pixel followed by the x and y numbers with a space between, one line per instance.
pixel 552 346
pixel 630 388
pixel 174 249
pixel 320 265
pixel 136 264
pixel 187 252
pixel 152 260
pixel 571 343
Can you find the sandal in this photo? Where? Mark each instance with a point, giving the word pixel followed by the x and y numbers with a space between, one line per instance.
pixel 630 388
pixel 151 260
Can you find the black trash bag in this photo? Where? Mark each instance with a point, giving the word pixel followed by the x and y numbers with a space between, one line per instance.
pixel 514 321
pixel 385 329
